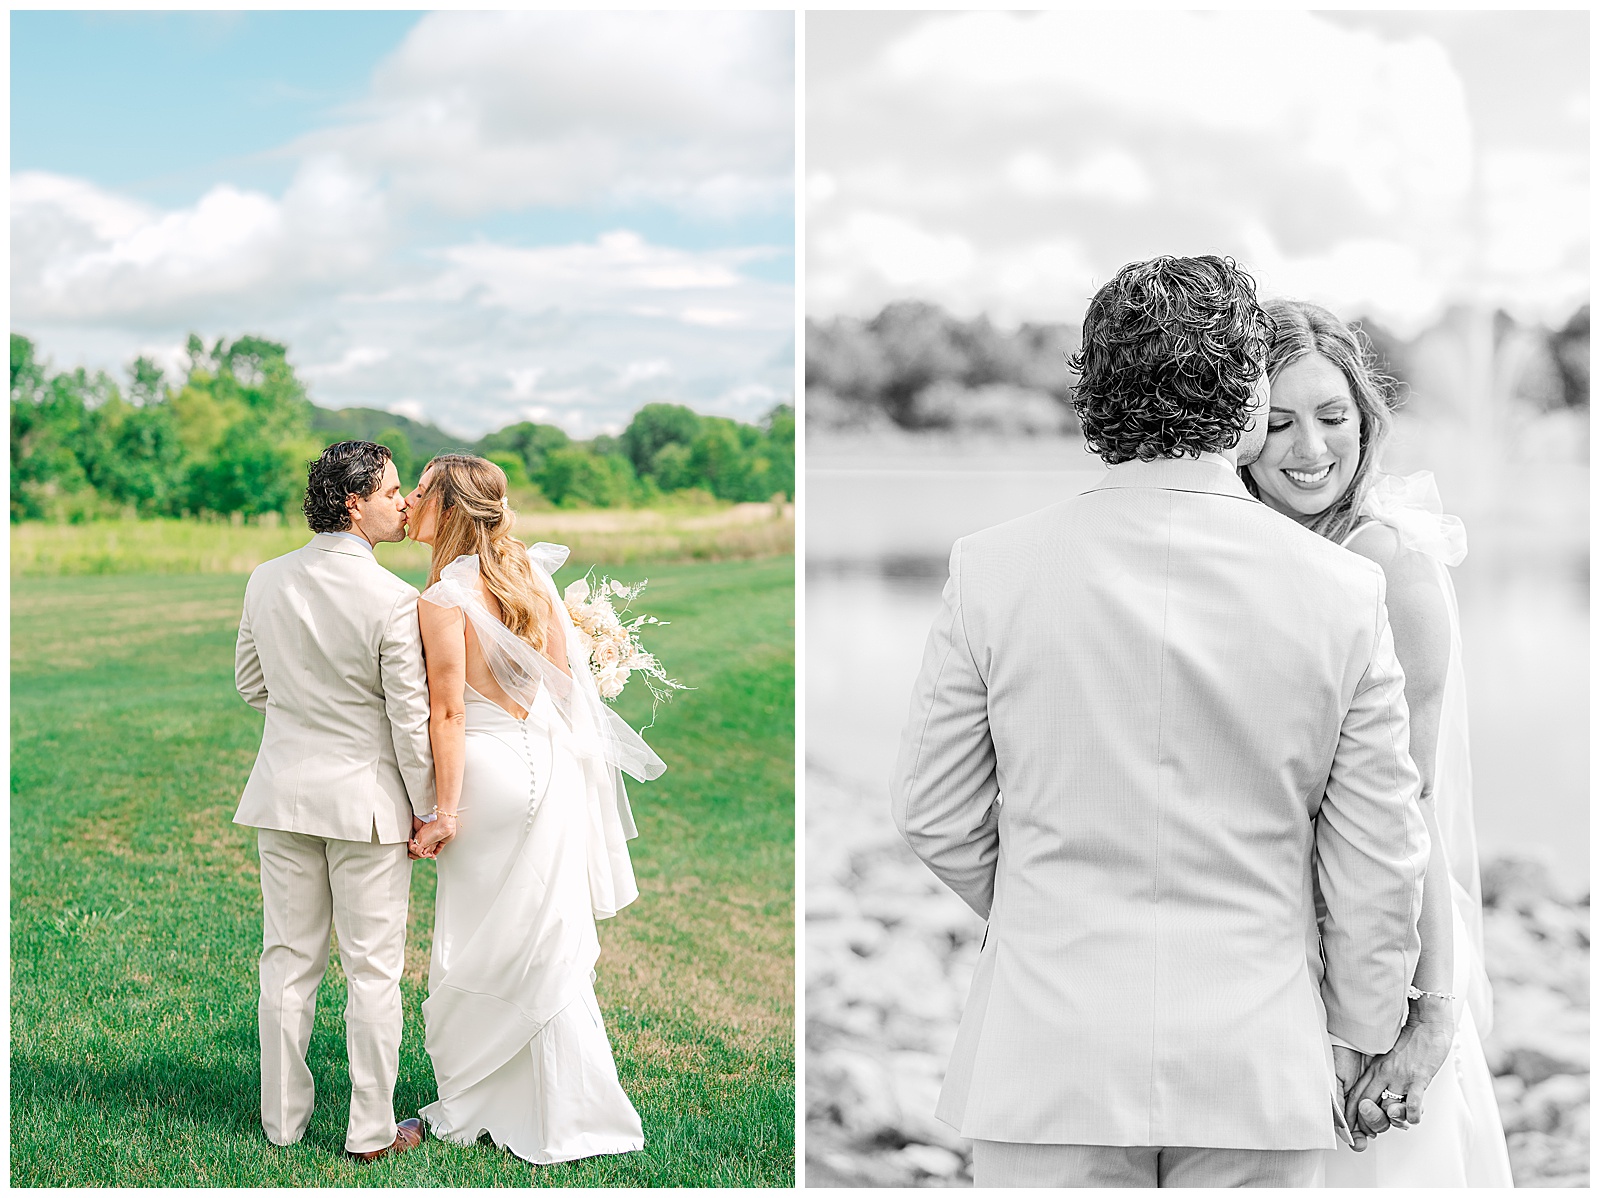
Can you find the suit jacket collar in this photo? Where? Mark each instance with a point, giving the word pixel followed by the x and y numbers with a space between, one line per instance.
pixel 331 542
pixel 1208 475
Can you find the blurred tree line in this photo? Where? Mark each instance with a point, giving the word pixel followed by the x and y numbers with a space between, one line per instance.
pixel 916 367
pixel 234 436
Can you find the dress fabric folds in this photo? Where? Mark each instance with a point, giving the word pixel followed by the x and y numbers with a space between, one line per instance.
pixel 518 1045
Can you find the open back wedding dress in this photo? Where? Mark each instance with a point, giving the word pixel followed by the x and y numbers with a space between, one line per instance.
pixel 1459 1141
pixel 518 1046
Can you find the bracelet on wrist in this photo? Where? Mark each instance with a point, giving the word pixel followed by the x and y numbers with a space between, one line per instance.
pixel 1412 993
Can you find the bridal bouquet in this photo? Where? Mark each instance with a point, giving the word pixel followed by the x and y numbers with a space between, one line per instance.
pixel 615 652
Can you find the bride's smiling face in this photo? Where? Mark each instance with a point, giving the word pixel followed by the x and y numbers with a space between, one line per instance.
pixel 422 516
pixel 1313 440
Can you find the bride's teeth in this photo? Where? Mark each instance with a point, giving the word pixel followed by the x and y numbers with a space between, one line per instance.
pixel 1301 476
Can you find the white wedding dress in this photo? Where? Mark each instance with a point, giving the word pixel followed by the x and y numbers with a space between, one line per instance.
pixel 512 1026
pixel 1460 1141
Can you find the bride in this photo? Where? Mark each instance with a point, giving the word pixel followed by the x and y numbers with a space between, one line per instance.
pixel 1327 424
pixel 533 820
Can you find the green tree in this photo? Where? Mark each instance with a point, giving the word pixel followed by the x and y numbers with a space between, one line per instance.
pixel 399 446
pixel 245 425
pixel 671 468
pixel 134 458
pixel 49 424
pixel 574 477
pixel 653 427
pixel 717 458
pixel 779 427
pixel 516 472
pixel 529 441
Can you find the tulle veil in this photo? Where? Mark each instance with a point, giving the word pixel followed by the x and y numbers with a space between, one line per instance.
pixel 1411 506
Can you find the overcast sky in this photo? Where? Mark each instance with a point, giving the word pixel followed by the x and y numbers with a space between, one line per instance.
pixel 1384 164
pixel 470 218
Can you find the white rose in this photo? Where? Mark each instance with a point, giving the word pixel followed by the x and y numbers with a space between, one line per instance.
pixel 610 681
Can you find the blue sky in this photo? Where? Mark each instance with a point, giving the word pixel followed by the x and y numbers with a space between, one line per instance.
pixel 472 218
pixel 1382 163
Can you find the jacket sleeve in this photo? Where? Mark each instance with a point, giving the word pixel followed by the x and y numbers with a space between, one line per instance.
pixel 1372 853
pixel 405 696
pixel 944 789
pixel 248 677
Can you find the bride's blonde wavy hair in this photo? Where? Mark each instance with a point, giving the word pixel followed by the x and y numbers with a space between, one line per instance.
pixel 469 495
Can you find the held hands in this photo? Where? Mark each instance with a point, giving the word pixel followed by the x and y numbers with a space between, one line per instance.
pixel 428 838
pixel 1408 1068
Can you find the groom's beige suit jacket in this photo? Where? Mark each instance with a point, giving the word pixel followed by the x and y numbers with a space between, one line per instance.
pixel 330 650
pixel 1151 721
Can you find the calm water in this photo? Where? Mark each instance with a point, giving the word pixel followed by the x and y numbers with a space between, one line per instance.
pixel 878 533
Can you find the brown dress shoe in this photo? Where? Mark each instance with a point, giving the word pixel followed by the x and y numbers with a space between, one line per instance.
pixel 408 1134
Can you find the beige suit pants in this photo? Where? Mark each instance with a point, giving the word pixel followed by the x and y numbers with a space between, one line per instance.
pixel 309 885
pixel 1100 1166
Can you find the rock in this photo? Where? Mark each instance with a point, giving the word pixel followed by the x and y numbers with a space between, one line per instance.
pixel 1534 1062
pixel 1516 882
pixel 1545 1105
pixel 917 1078
pixel 858 1091
pixel 862 1021
pixel 935 1162
pixel 1537 1033
pixel 1509 1089
pixel 1536 1155
pixel 827 902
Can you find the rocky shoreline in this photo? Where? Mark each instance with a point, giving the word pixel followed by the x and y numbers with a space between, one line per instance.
pixel 890 954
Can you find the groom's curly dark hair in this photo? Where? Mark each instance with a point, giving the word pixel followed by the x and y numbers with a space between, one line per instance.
pixel 1172 349
pixel 348 468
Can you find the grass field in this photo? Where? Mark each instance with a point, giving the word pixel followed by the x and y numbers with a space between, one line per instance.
pixel 135 904
pixel 618 537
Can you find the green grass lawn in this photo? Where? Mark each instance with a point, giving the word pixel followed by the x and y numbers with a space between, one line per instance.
pixel 136 908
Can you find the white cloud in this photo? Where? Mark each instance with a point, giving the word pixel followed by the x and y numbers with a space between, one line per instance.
pixel 82 252
pixel 1111 173
pixel 1368 276
pixel 1008 163
pixel 1319 91
pixel 355 358
pixel 899 251
pixel 486 111
pixel 635 373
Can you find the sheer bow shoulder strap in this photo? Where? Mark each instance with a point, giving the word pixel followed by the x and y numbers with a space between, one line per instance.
pixel 1411 506
pixel 516 665
pixel 598 732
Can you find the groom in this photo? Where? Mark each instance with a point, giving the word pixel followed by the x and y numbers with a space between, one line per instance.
pixel 330 651
pixel 1148 720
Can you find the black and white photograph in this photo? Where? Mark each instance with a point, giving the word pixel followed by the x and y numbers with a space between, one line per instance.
pixel 1196 541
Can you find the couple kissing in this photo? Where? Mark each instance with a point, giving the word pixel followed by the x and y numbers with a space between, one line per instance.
pixel 461 725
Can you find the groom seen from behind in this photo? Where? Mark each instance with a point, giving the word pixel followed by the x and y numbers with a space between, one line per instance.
pixel 330 651
pixel 1154 726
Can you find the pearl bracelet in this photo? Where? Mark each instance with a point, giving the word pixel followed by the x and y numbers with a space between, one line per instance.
pixel 1412 993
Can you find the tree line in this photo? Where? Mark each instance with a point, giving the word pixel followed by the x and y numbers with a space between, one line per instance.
pixel 234 435
pixel 917 367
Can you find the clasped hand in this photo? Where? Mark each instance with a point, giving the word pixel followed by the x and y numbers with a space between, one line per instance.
pixel 428 837
pixel 1407 1069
